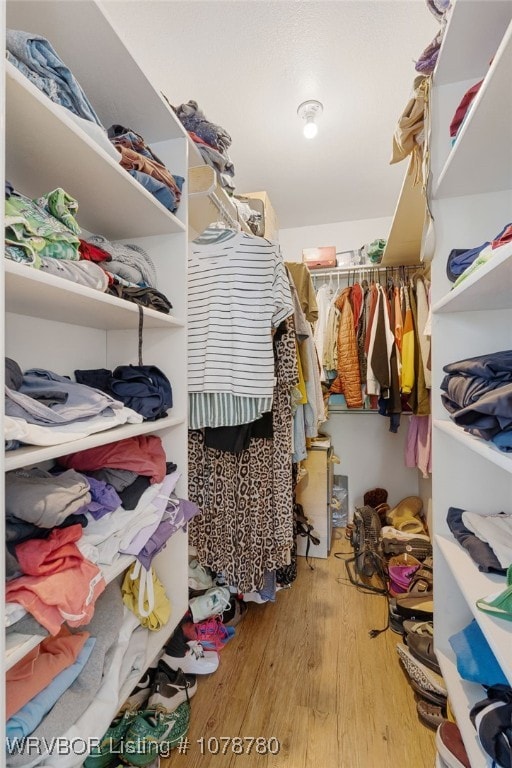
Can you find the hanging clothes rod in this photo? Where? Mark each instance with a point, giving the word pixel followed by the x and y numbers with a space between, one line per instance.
pixel 364 268
pixel 225 214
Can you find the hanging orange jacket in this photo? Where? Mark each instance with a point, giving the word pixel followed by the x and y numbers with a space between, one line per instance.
pixel 348 380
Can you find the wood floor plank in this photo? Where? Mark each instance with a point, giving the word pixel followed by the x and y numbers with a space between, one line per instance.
pixel 305 671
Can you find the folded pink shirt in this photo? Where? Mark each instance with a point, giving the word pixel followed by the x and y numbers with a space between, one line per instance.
pixel 58 584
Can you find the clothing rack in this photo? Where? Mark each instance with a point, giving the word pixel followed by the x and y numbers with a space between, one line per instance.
pixel 366 271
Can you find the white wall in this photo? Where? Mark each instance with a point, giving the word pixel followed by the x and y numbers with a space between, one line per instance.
pixel 345 235
pixel 370 455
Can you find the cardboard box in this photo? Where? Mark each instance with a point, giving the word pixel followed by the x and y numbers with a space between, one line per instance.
pixel 271 224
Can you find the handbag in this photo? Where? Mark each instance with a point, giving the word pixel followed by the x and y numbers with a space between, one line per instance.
pixel 144 594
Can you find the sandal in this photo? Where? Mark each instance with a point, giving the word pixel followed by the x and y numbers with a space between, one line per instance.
pixel 401 569
pixel 415 607
pixel 422 648
pixel 404 516
pixel 434 698
pixel 423 580
pixel 424 676
pixel 431 715
pixel 499 603
pixel 419 628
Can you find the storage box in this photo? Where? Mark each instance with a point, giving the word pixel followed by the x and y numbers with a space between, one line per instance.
pixel 271 224
pixel 319 258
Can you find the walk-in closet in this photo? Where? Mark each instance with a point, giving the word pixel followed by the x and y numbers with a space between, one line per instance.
pixel 257 295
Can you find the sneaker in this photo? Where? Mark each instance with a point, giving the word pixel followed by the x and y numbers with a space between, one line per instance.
pixel 451 747
pixel 212 634
pixel 105 755
pixel 171 688
pixel 192 659
pixel 254 597
pixel 140 694
pixel 212 603
pixel 198 577
pixel 235 613
pixel 154 732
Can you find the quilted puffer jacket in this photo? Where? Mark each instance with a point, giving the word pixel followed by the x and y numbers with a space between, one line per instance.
pixel 348 380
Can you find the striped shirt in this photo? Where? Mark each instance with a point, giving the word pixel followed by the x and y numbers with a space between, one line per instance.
pixel 238 291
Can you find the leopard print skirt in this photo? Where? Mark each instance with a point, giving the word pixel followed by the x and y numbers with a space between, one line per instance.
pixel 246 523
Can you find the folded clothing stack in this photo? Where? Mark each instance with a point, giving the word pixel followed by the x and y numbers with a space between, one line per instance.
pixel 211 140
pixel 142 163
pixel 462 262
pixel 477 392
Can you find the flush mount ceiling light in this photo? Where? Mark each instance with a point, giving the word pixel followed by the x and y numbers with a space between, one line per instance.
pixel 309 111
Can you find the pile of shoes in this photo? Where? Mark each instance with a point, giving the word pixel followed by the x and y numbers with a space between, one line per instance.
pixel 156 715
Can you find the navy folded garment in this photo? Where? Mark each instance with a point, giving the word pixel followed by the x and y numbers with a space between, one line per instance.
pixel 492 718
pixel 479 551
pixel 459 259
pixel 475 660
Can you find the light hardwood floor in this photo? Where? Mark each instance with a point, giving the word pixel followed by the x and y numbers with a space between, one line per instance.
pixel 305 671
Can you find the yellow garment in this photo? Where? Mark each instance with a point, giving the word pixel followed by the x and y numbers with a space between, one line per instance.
pixel 408 343
pixel 305 288
pixel 301 386
pixel 144 595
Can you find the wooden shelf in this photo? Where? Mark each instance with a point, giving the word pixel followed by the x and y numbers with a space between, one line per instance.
pixel 472 36
pixel 207 201
pixel 37 294
pixel 485 449
pixel 481 159
pixel 41 135
pixel 115 84
pixel 488 288
pixel 474 584
pixel 33 454
pixel 404 241
pixel 463 696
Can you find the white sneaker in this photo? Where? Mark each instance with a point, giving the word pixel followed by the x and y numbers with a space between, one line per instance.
pixel 198 578
pixel 214 602
pixel 195 660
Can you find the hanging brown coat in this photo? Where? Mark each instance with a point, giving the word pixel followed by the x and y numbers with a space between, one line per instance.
pixel 348 380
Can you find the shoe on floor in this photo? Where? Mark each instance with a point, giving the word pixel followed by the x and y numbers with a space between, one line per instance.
pixel 171 688
pixel 104 755
pixel 422 648
pixel 211 633
pixel 140 694
pixel 434 698
pixel 151 731
pixel 418 627
pixel 198 577
pixel 424 676
pixel 212 603
pixel 189 656
pixel 235 613
pixel 451 747
pixel 430 715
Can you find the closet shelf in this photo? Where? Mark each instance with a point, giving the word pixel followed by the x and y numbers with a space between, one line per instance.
pixel 481 159
pixel 471 39
pixel 488 288
pixel 207 201
pixel 37 294
pixel 118 88
pixel 482 447
pixel 404 241
pixel 42 135
pixel 27 642
pixel 463 695
pixel 474 584
pixel 34 454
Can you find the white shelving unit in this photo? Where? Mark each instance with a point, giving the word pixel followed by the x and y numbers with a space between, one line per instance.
pixel 55 324
pixel 472 201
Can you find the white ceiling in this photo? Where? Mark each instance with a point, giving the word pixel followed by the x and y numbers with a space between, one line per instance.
pixel 249 64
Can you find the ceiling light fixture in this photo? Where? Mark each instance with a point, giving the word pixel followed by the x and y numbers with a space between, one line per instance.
pixel 309 111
